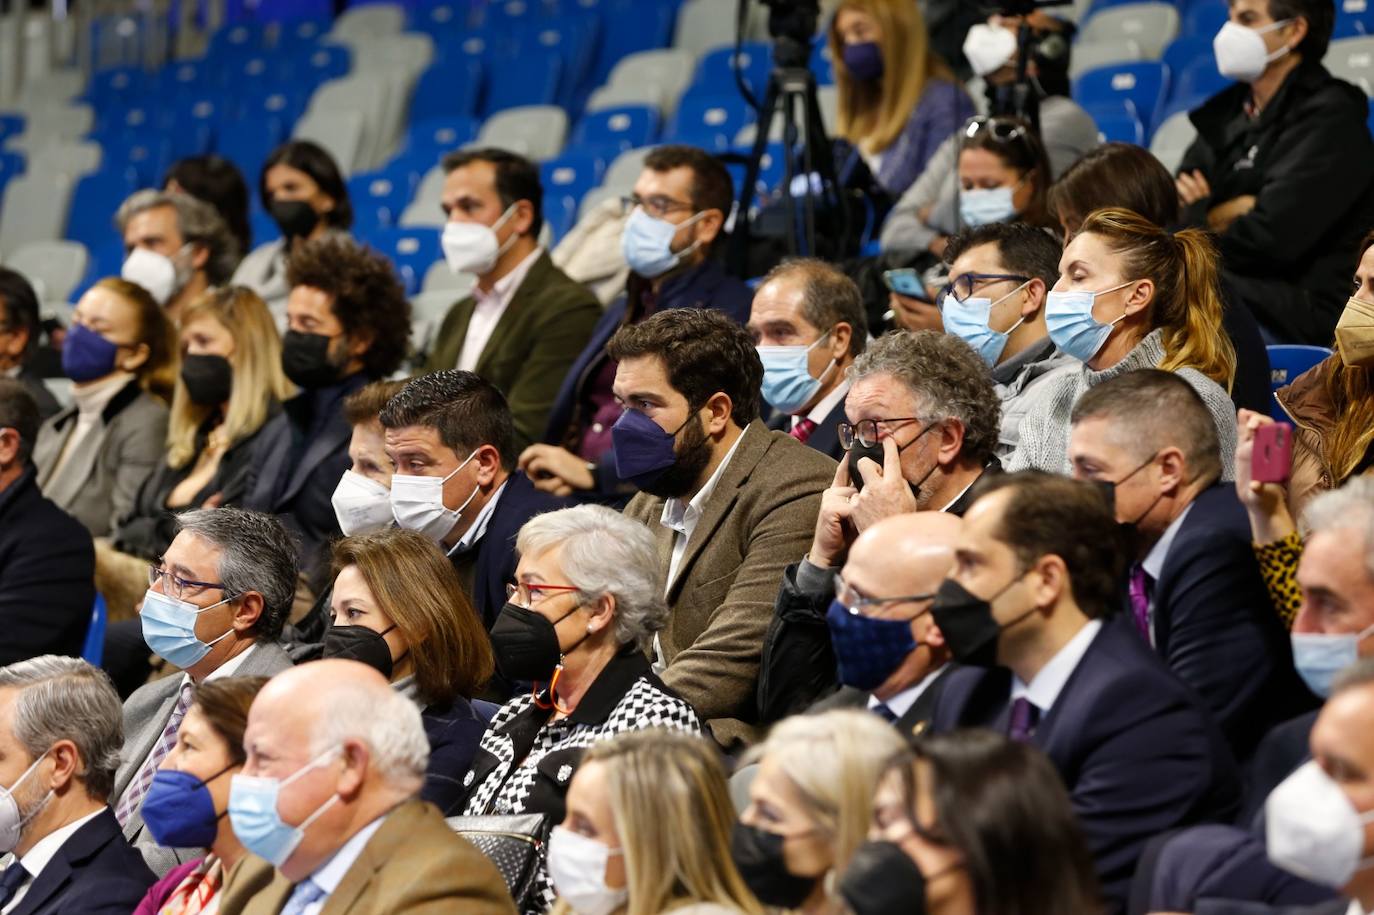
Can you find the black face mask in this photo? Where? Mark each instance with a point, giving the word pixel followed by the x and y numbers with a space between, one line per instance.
pixel 967 623
pixel 208 379
pixel 295 218
pixel 526 644
pixel 358 643
pixel 874 452
pixel 1128 531
pixel 759 857
pixel 305 360
pixel 880 879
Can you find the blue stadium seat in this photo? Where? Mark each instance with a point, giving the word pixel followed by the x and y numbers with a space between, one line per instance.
pixel 144 159
pixel 271 112
pixel 573 38
pixel 1117 123
pixel 184 79
pixel 193 126
pixel 118 86
pixel 1195 83
pixel 529 80
pixel 1287 362
pixel 105 260
pixel 630 26
pixel 413 250
pixel 11 125
pixel 1353 17
pixel 614 130
pixel 715 74
pixel 378 199
pixel 821 64
pixel 323 63
pixel 93 648
pixel 295 11
pixel 94 201
pixel 439 19
pixel 247 149
pixel 448 90
pixel 236 41
pixel 11 166
pixel 1140 85
pixel 771 171
pixel 1370 122
pixel 571 175
pixel 709 121
pixel 1203 18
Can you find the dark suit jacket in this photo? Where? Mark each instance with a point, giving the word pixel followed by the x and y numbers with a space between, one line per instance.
pixel 825 438
pixel 95 872
pixel 490 564
pixel 758 519
pixel 537 338
pixel 1135 748
pixel 706 285
pixel 454 731
pixel 297 462
pixel 413 864
pixel 1215 626
pixel 916 720
pixel 47 575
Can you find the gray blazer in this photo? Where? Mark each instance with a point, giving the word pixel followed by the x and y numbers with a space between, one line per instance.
pixel 97 486
pixel 145 715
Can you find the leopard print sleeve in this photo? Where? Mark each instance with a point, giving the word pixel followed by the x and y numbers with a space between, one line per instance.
pixel 1278 563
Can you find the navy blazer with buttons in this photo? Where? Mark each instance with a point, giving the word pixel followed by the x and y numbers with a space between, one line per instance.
pixel 94 872
pixel 1134 746
pixel 1215 625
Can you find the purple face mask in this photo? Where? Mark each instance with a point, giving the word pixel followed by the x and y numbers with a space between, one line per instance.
pixel 86 355
pixel 643 451
pixel 863 59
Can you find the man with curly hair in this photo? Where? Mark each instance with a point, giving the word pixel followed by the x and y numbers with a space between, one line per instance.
pixel 348 322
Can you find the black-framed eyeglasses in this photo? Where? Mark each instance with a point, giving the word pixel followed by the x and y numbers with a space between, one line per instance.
pixel 855 602
pixel 965 284
pixel 865 431
pixel 1003 130
pixel 178 587
pixel 656 206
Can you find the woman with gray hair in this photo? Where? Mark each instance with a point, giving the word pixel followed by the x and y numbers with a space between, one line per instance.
pixel 579 623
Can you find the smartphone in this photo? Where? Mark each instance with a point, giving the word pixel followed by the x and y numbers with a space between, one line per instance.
pixel 907 282
pixel 1272 457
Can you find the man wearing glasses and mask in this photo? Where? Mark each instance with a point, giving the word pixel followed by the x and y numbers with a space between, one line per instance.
pixel 215 607
pixel 922 428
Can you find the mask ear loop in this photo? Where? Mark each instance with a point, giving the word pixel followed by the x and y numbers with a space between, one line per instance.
pixel 1022 320
pixel 506 245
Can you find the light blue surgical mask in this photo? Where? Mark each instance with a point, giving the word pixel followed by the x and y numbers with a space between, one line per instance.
pixel 1072 327
pixel 983 206
pixel 968 320
pixel 647 243
pixel 169 628
pixel 1319 656
pixel 787 382
pixel 258 824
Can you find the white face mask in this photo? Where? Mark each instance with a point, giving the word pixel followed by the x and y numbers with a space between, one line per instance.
pixel 417 503
pixel 470 247
pixel 1312 830
pixel 361 505
pixel 12 822
pixel 989 48
pixel 1241 53
pixel 577 866
pixel 157 273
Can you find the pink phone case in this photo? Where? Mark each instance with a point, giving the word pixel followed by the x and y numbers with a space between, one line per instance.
pixel 1273 454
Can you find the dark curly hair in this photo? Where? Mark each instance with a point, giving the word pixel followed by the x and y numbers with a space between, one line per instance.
pixel 368 298
pixel 703 352
pixel 948 379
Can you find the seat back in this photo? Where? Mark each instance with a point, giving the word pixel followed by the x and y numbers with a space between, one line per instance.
pixel 1286 362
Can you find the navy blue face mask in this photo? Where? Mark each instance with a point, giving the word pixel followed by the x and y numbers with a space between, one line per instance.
pixel 864 59
pixel 179 811
pixel 643 451
pixel 867 650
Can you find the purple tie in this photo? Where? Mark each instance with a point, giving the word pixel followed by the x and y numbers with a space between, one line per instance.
pixel 1140 599
pixel 1022 724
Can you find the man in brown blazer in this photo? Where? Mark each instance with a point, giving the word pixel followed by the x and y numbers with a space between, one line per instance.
pixel 731 503
pixel 348 755
pixel 526 321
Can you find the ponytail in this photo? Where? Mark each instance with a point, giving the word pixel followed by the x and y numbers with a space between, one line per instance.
pixel 1187 306
pixel 1193 336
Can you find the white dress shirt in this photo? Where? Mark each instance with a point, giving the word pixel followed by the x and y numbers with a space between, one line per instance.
pixel 1153 563
pixel 901 703
pixel 823 407
pixel 1045 687
pixel 487 310
pixel 683 518
pixel 43 851
pixel 330 874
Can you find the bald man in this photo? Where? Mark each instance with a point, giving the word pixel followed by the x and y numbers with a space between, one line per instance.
pixel 889 653
pixel 866 631
pixel 327 805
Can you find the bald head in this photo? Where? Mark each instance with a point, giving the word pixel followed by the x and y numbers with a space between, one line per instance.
pixel 904 554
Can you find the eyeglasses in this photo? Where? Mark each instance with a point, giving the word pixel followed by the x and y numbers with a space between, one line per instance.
pixel 965 284
pixel 656 206
pixel 526 595
pixel 178 587
pixel 1003 130
pixel 865 431
pixel 855 602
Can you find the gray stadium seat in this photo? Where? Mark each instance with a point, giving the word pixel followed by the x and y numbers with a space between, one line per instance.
pixel 624 171
pixel 368 21
pixel 534 131
pixel 1150 25
pixel 1352 59
pixel 1089 54
pixel 53 267
pixel 1172 139
pixel 670 69
pixel 424 209
pixel 34 209
pixel 340 132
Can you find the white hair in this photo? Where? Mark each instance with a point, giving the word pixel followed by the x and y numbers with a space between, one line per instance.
pixel 1350 508
pixel 605 553
pixel 389 725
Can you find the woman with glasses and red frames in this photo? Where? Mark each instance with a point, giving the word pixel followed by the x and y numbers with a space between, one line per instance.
pixel 581 622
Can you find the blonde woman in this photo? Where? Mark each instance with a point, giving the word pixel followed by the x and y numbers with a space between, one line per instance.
pixel 612 853
pixel 810 806
pixel 897 100
pixel 230 384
